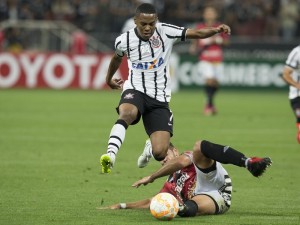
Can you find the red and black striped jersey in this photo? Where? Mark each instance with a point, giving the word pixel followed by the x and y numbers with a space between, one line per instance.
pixel 182 183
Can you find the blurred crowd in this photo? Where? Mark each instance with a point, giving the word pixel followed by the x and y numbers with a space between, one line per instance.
pixel 268 18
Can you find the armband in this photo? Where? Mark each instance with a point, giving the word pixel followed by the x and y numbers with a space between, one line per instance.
pixel 123 205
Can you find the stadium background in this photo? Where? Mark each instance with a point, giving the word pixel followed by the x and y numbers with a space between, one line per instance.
pixel 55 118
pixel 68 43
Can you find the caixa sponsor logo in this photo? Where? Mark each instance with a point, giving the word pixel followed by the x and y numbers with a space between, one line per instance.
pixel 148 65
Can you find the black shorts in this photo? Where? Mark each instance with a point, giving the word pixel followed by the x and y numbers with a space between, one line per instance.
pixel 295 103
pixel 156 115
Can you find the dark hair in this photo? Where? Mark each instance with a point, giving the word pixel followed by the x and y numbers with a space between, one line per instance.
pixel 145 8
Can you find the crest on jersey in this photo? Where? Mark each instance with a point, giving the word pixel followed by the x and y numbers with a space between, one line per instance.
pixel 129 96
pixel 155 42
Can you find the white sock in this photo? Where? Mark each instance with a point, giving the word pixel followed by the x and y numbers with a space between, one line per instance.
pixel 116 138
pixel 246 162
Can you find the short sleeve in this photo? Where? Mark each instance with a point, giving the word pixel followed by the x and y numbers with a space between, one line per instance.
pixel 174 32
pixel 118 47
pixel 293 59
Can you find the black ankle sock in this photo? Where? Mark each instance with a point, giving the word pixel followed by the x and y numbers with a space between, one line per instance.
pixel 223 154
pixel 190 209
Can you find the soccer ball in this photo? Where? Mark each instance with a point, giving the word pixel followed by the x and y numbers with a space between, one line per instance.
pixel 164 206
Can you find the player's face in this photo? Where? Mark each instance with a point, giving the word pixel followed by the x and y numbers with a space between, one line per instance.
pixel 210 14
pixel 145 24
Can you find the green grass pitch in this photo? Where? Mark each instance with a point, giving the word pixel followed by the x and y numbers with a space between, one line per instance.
pixel 51 141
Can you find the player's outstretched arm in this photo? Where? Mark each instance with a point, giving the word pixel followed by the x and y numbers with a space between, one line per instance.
pixel 169 168
pixel 113 67
pixel 287 76
pixel 142 204
pixel 207 32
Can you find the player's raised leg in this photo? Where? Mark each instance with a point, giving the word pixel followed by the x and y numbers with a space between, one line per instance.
pixel 127 114
pixel 228 155
pixel 159 126
pixel 160 141
pixel 116 138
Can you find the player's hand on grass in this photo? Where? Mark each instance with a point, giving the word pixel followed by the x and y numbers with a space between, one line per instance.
pixel 116 83
pixel 144 181
pixel 115 206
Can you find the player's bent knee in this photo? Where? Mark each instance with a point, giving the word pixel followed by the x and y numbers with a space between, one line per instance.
pixel 190 209
pixel 197 146
pixel 128 117
pixel 159 156
pixel 159 151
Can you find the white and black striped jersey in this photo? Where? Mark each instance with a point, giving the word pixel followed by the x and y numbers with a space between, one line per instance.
pixel 148 61
pixel 293 61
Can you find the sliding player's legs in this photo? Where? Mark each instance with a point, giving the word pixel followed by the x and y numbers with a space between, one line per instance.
pixel 227 155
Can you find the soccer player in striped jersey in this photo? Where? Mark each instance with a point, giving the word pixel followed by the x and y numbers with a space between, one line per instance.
pixel 291 74
pixel 147 93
